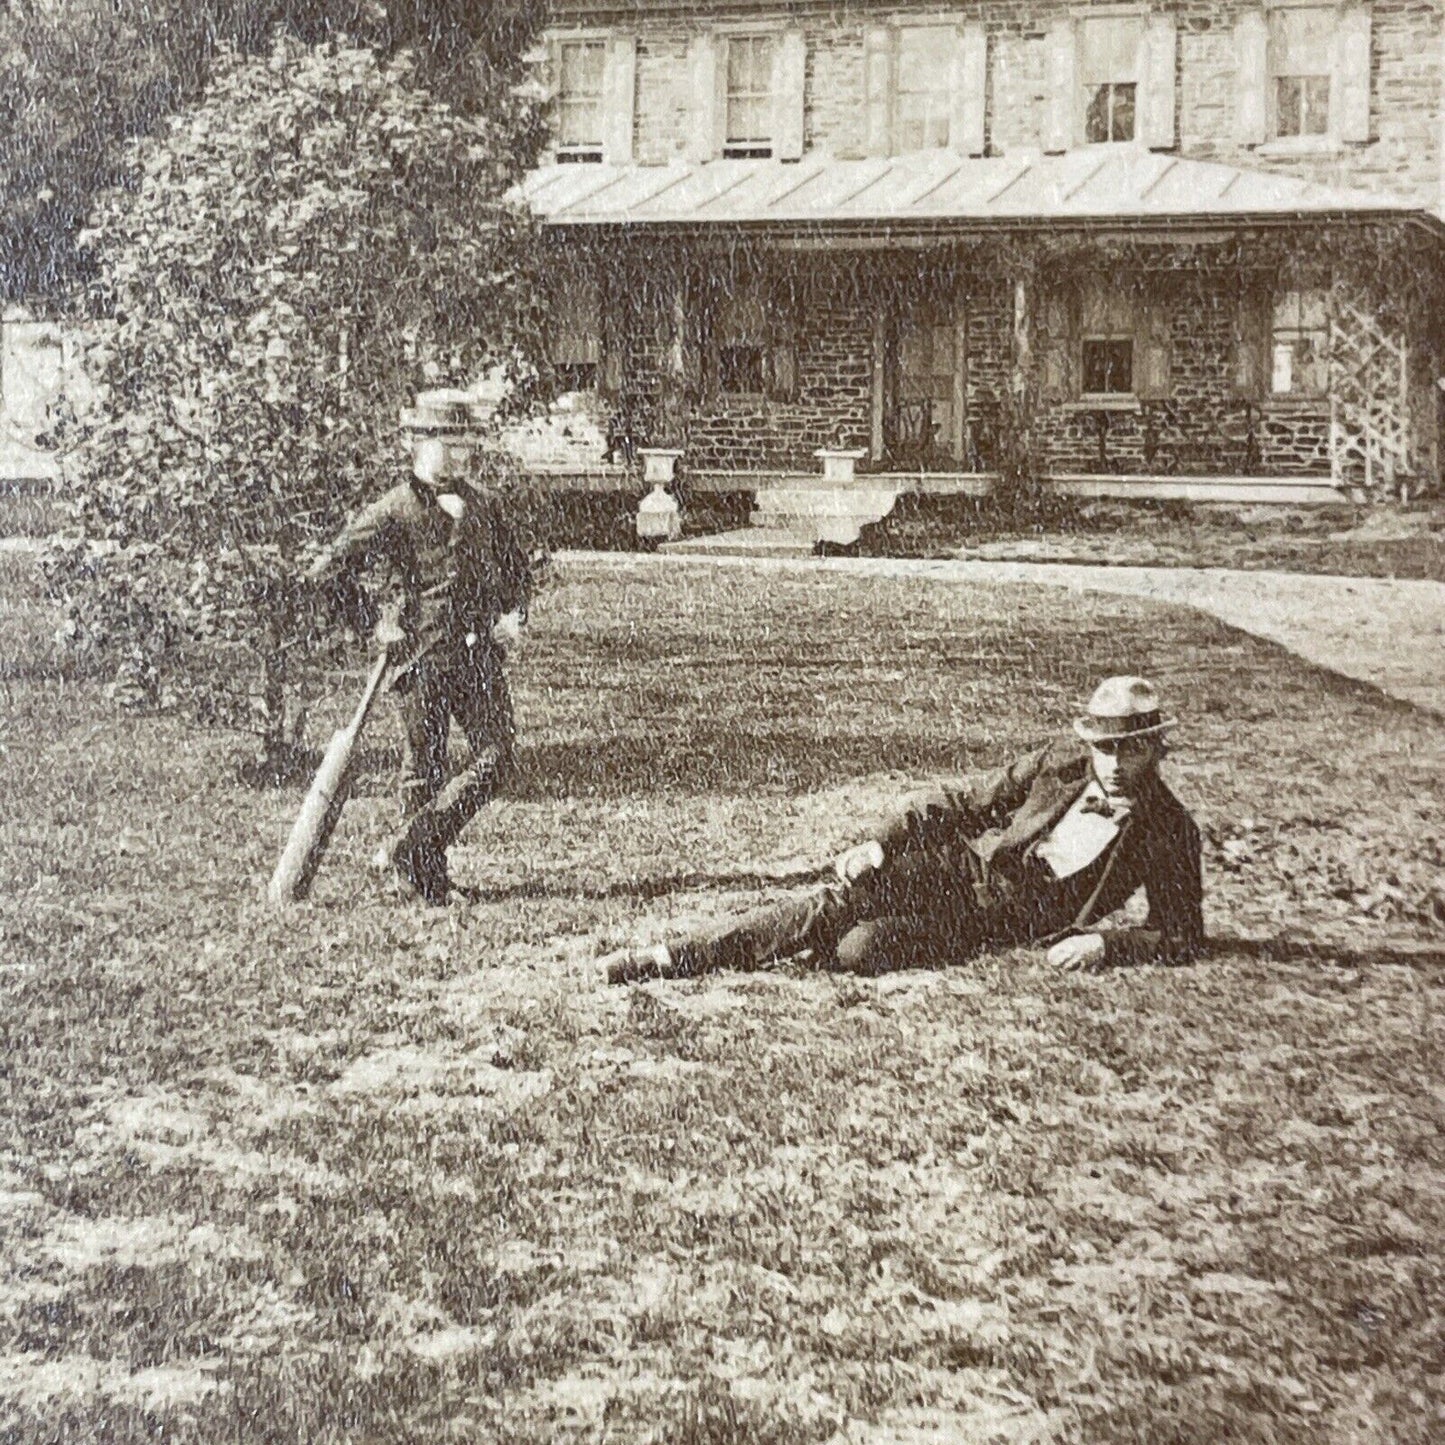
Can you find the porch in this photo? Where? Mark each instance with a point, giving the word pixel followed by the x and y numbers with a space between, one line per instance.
pixel 1134 325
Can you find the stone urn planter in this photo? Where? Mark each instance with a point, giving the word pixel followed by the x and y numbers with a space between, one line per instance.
pixel 839 464
pixel 659 518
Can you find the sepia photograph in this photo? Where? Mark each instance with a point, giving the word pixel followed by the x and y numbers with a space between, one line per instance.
pixel 723 722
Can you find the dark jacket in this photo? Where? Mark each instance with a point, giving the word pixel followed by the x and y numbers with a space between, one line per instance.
pixel 455 577
pixel 1002 814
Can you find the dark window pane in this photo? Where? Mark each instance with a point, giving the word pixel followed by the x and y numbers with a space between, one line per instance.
pixel 1123 125
pixel 740 369
pixel 577 376
pixel 1288 100
pixel 1096 122
pixel 1317 104
pixel 1108 367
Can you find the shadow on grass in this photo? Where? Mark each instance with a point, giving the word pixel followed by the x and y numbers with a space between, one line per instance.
pixel 721 760
pixel 644 889
pixel 714 760
pixel 1295 948
pixel 1284 949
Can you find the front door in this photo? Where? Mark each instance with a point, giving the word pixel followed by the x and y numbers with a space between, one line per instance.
pixel 924 423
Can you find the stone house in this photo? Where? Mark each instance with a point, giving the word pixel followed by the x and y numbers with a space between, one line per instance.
pixel 1172 248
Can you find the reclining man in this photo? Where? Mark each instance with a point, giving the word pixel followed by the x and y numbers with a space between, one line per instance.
pixel 1036 853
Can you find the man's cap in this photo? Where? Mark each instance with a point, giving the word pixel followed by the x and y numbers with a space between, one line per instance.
pixel 1122 707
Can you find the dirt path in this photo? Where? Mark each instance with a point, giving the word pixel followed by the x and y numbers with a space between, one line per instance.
pixel 1386 632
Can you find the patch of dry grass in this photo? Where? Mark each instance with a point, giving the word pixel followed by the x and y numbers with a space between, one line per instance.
pixel 1369 540
pixel 376 1173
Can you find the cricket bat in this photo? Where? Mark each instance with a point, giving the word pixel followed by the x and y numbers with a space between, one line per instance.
pixel 314 824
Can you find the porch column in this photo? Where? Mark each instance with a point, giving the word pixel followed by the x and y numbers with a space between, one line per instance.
pixel 680 362
pixel 878 393
pixel 1018 462
pixel 961 441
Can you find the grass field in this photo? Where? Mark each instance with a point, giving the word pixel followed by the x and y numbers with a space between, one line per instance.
pixel 373 1173
pixel 1366 540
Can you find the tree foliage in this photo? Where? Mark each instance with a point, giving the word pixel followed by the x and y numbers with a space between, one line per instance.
pixel 314 240
pixel 79 77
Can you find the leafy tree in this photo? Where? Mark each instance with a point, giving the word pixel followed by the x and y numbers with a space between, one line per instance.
pixel 303 248
pixel 79 77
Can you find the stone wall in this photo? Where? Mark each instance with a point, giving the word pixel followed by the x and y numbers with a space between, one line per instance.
pixel 832 401
pixel 1403 155
pixel 1202 428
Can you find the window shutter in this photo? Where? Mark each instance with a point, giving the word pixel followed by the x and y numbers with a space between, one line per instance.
pixel 1254 316
pixel 1158 43
pixel 551 60
pixel 1251 77
pixel 612 297
pixel 1152 350
pixel 619 96
pixel 1350 84
pixel 720 95
pixel 878 384
pixel 704 70
pixel 1063 103
pixel 878 85
pixel 789 82
pixel 1058 345
pixel 692 325
pixel 781 362
pixel 970 78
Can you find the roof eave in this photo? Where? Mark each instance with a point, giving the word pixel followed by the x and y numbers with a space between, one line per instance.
pixel 936 226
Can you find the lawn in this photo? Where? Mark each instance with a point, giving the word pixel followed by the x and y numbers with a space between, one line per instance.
pixel 374 1173
pixel 1366 540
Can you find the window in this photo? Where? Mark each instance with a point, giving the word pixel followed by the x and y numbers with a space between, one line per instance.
pixel 1108 366
pixel 1300 349
pixel 749 96
pixel 924 93
pixel 575 330
pixel 1109 75
pixel 1108 323
pixel 742 337
pixel 1299 68
pixel 581 66
pixel 740 370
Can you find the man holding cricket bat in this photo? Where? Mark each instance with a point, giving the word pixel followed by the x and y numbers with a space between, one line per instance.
pixel 461 580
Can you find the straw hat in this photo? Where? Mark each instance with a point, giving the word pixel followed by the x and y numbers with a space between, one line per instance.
pixel 1122 707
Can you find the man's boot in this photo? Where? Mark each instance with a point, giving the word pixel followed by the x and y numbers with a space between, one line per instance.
pixel 416 854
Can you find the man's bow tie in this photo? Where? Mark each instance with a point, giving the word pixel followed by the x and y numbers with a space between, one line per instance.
pixel 1098 803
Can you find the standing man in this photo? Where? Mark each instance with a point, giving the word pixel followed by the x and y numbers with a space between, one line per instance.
pixel 461 585
pixel 1039 852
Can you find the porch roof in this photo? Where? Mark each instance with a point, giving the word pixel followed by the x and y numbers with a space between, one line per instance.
pixel 1108 184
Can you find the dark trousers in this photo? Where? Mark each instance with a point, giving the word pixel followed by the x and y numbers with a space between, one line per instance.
pixel 921 910
pixel 472 690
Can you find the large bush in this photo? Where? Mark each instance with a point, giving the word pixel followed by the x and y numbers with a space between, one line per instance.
pixel 301 250
pixel 80 76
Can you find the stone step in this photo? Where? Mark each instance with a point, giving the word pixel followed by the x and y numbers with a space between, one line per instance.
pixel 834 500
pixel 827 513
pixel 745 542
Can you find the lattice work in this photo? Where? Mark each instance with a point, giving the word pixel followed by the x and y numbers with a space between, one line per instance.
pixel 1369 399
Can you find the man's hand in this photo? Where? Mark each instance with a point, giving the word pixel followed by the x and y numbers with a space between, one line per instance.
pixel 1083 953
pixel 507 629
pixel 388 631
pixel 860 861
pixel 319 566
